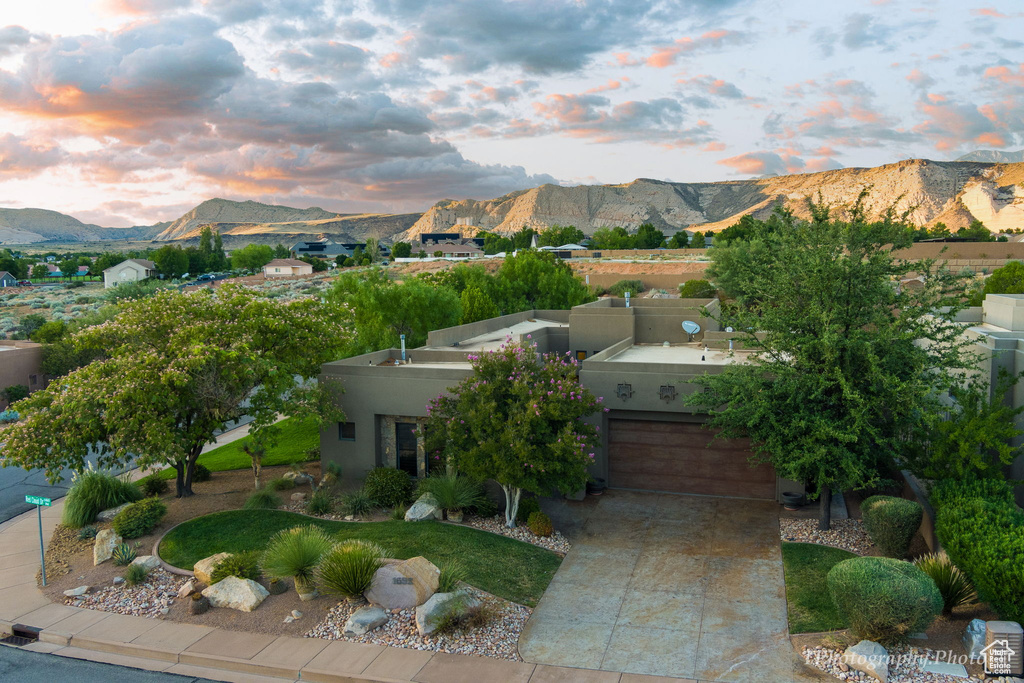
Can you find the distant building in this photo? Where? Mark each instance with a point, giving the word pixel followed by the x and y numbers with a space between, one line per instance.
pixel 7 280
pixel 324 248
pixel 132 270
pixel 455 250
pixel 439 237
pixel 53 271
pixel 19 365
pixel 286 267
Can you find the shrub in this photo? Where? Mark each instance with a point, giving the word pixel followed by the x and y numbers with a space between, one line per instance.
pixel 264 499
pixel 453 492
pixel 15 393
pixel 349 567
pixel 540 524
pixel 953 584
pixel 883 599
pixel 86 533
pixel 153 485
pixel 123 554
pixel 357 503
pixel 388 486
pixel 281 484
pixel 696 289
pixel 295 553
pixel 398 513
pixel 982 530
pixel 138 519
pixel 451 574
pixel 620 288
pixel 135 574
pixel 242 565
pixel 527 506
pixel 201 472
pixel 458 618
pixel 92 492
pixel 320 503
pixel 891 523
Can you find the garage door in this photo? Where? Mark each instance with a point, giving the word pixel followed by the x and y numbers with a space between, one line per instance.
pixel 681 457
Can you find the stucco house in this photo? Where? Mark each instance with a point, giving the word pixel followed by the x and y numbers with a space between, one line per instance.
pixel 132 270
pixel 7 280
pixel 450 250
pixel 287 267
pixel 19 364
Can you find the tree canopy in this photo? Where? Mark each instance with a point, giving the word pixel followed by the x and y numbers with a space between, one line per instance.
pixel 252 257
pixel 557 235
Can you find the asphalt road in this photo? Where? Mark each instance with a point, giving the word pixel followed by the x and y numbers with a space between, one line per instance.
pixel 33 667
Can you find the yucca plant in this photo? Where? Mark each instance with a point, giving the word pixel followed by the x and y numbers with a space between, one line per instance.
pixel 357 503
pixel 264 499
pixel 953 584
pixel 320 503
pixel 349 567
pixel 452 491
pixel 451 574
pixel 93 491
pixel 295 553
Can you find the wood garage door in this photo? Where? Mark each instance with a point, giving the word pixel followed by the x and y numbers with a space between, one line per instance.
pixel 680 457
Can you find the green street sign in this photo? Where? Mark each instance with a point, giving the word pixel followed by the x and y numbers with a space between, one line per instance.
pixel 37 500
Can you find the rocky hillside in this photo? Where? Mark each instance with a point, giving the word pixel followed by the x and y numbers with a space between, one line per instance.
pixel 30 226
pixel 952 192
pixel 991 156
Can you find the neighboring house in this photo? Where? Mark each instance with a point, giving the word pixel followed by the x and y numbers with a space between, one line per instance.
pixel 132 270
pixel 450 250
pixel 7 280
pixel 19 364
pixel 324 248
pixel 287 267
pixel 53 271
pixel 427 238
pixel 83 271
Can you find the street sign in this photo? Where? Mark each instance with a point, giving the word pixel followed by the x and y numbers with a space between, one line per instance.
pixel 40 503
pixel 37 500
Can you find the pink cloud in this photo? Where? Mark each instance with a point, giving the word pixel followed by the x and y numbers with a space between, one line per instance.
pixel 1006 75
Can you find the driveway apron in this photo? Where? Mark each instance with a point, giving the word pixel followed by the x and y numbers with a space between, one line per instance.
pixel 671 585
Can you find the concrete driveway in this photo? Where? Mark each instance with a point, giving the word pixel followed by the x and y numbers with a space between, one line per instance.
pixel 670 585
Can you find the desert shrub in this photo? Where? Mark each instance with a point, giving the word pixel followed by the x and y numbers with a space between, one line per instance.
pixel 453 491
pixel 883 599
pixel 15 393
pixel 953 584
pixel 281 484
pixel 540 524
pixel 123 554
pixel 92 492
pixel 138 519
pixel 135 574
pixel 242 565
pixel 398 513
pixel 201 472
pixel 320 503
pixel 458 618
pixel 527 506
pixel 349 567
pixel 891 523
pixel 620 288
pixel 86 533
pixel 388 486
pixel 451 574
pixel 982 530
pixel 696 289
pixel 153 485
pixel 357 503
pixel 264 499
pixel 296 553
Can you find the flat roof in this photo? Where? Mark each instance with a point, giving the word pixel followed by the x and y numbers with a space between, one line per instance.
pixel 684 354
pixel 491 341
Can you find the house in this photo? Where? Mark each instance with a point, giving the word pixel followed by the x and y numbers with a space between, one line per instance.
pixel 287 267
pixel 450 250
pixel 20 365
pixel 132 270
pixel 428 238
pixel 638 358
pixel 53 271
pixel 323 248
pixel 7 280
pixel 82 271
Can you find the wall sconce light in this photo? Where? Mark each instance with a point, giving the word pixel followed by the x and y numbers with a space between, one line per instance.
pixel 667 392
pixel 624 391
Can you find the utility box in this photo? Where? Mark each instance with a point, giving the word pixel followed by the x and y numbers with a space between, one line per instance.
pixel 1004 648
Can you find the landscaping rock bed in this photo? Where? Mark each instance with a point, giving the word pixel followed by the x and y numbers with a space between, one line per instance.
pixel 152 598
pixel 847 534
pixel 556 541
pixel 499 637
pixel 903 666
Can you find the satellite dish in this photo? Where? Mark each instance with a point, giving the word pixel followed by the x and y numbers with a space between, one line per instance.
pixel 690 328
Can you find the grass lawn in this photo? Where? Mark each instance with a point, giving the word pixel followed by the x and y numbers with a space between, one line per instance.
pixel 503 566
pixel 810 605
pixel 296 437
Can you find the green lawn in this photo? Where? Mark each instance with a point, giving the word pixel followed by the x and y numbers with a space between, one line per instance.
pixel 503 566
pixel 296 437
pixel 810 607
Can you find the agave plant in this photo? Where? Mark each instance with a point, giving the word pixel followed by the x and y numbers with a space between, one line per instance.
pixel 348 569
pixel 296 552
pixel 953 584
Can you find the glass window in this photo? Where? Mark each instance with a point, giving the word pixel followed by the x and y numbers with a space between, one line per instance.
pixel 346 431
pixel 405 440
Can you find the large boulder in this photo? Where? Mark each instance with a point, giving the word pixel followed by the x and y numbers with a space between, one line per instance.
pixel 299 478
pixel 425 507
pixel 109 514
pixel 364 620
pixel 103 546
pixel 147 562
pixel 404 585
pixel 440 605
pixel 204 567
pixel 974 638
pixel 869 657
pixel 244 595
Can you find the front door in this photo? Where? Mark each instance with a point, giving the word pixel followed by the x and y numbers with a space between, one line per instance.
pixel 405 440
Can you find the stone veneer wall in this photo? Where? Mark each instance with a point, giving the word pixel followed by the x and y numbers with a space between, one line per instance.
pixel 389 442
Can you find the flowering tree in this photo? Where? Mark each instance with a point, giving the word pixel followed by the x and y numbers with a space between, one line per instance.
pixel 176 368
pixel 518 420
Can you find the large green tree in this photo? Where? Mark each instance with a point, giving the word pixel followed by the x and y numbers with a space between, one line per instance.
pixel 519 420
pixel 537 279
pixel 557 235
pixel 847 366
pixel 171 261
pixel 178 367
pixel 252 257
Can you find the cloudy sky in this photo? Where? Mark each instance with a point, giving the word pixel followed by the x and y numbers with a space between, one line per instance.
pixel 125 112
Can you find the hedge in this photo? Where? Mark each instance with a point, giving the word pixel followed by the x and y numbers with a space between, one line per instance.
pixel 982 531
pixel 891 523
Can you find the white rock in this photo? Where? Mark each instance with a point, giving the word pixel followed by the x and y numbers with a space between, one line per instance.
pixel 103 546
pixel 296 614
pixel 289 619
pixel 118 580
pixel 364 620
pixel 424 508
pixel 428 615
pixel 75 592
pixel 188 589
pixel 204 567
pixel 147 562
pixel 109 514
pixel 869 657
pixel 298 497
pixel 974 638
pixel 299 478
pixel 244 595
pixel 404 585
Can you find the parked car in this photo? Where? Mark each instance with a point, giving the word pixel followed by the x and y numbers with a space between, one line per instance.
pixel 25 283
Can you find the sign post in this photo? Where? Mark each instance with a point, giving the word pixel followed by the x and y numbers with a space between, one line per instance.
pixel 40 503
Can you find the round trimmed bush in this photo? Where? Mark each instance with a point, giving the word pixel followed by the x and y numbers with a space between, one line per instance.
pixel 138 519
pixel 891 523
pixel 201 472
pixel 527 506
pixel 883 599
pixel 388 486
pixel 540 524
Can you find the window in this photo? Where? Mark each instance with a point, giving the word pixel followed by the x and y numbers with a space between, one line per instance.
pixel 33 380
pixel 405 440
pixel 346 431
pixel 581 355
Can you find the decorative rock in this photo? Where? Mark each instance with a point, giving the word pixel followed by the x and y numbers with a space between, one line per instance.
pixel 455 516
pixel 147 562
pixel 289 619
pixel 118 580
pixel 103 546
pixel 869 657
pixel 974 638
pixel 429 614
pixel 404 585
pixel 204 567
pixel 187 589
pixel 299 478
pixel 198 604
pixel 298 497
pixel 75 592
pixel 244 595
pixel 364 620
pixel 425 507
pixel 296 614
pixel 109 514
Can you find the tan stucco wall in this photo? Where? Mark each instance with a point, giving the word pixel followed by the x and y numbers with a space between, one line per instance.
pixel 19 361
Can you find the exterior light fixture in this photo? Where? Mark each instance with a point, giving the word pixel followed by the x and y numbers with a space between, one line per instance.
pixel 624 391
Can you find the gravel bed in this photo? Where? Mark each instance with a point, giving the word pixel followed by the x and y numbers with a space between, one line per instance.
pixel 151 598
pixel 847 534
pixel 556 541
pixel 498 638
pixel 903 667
